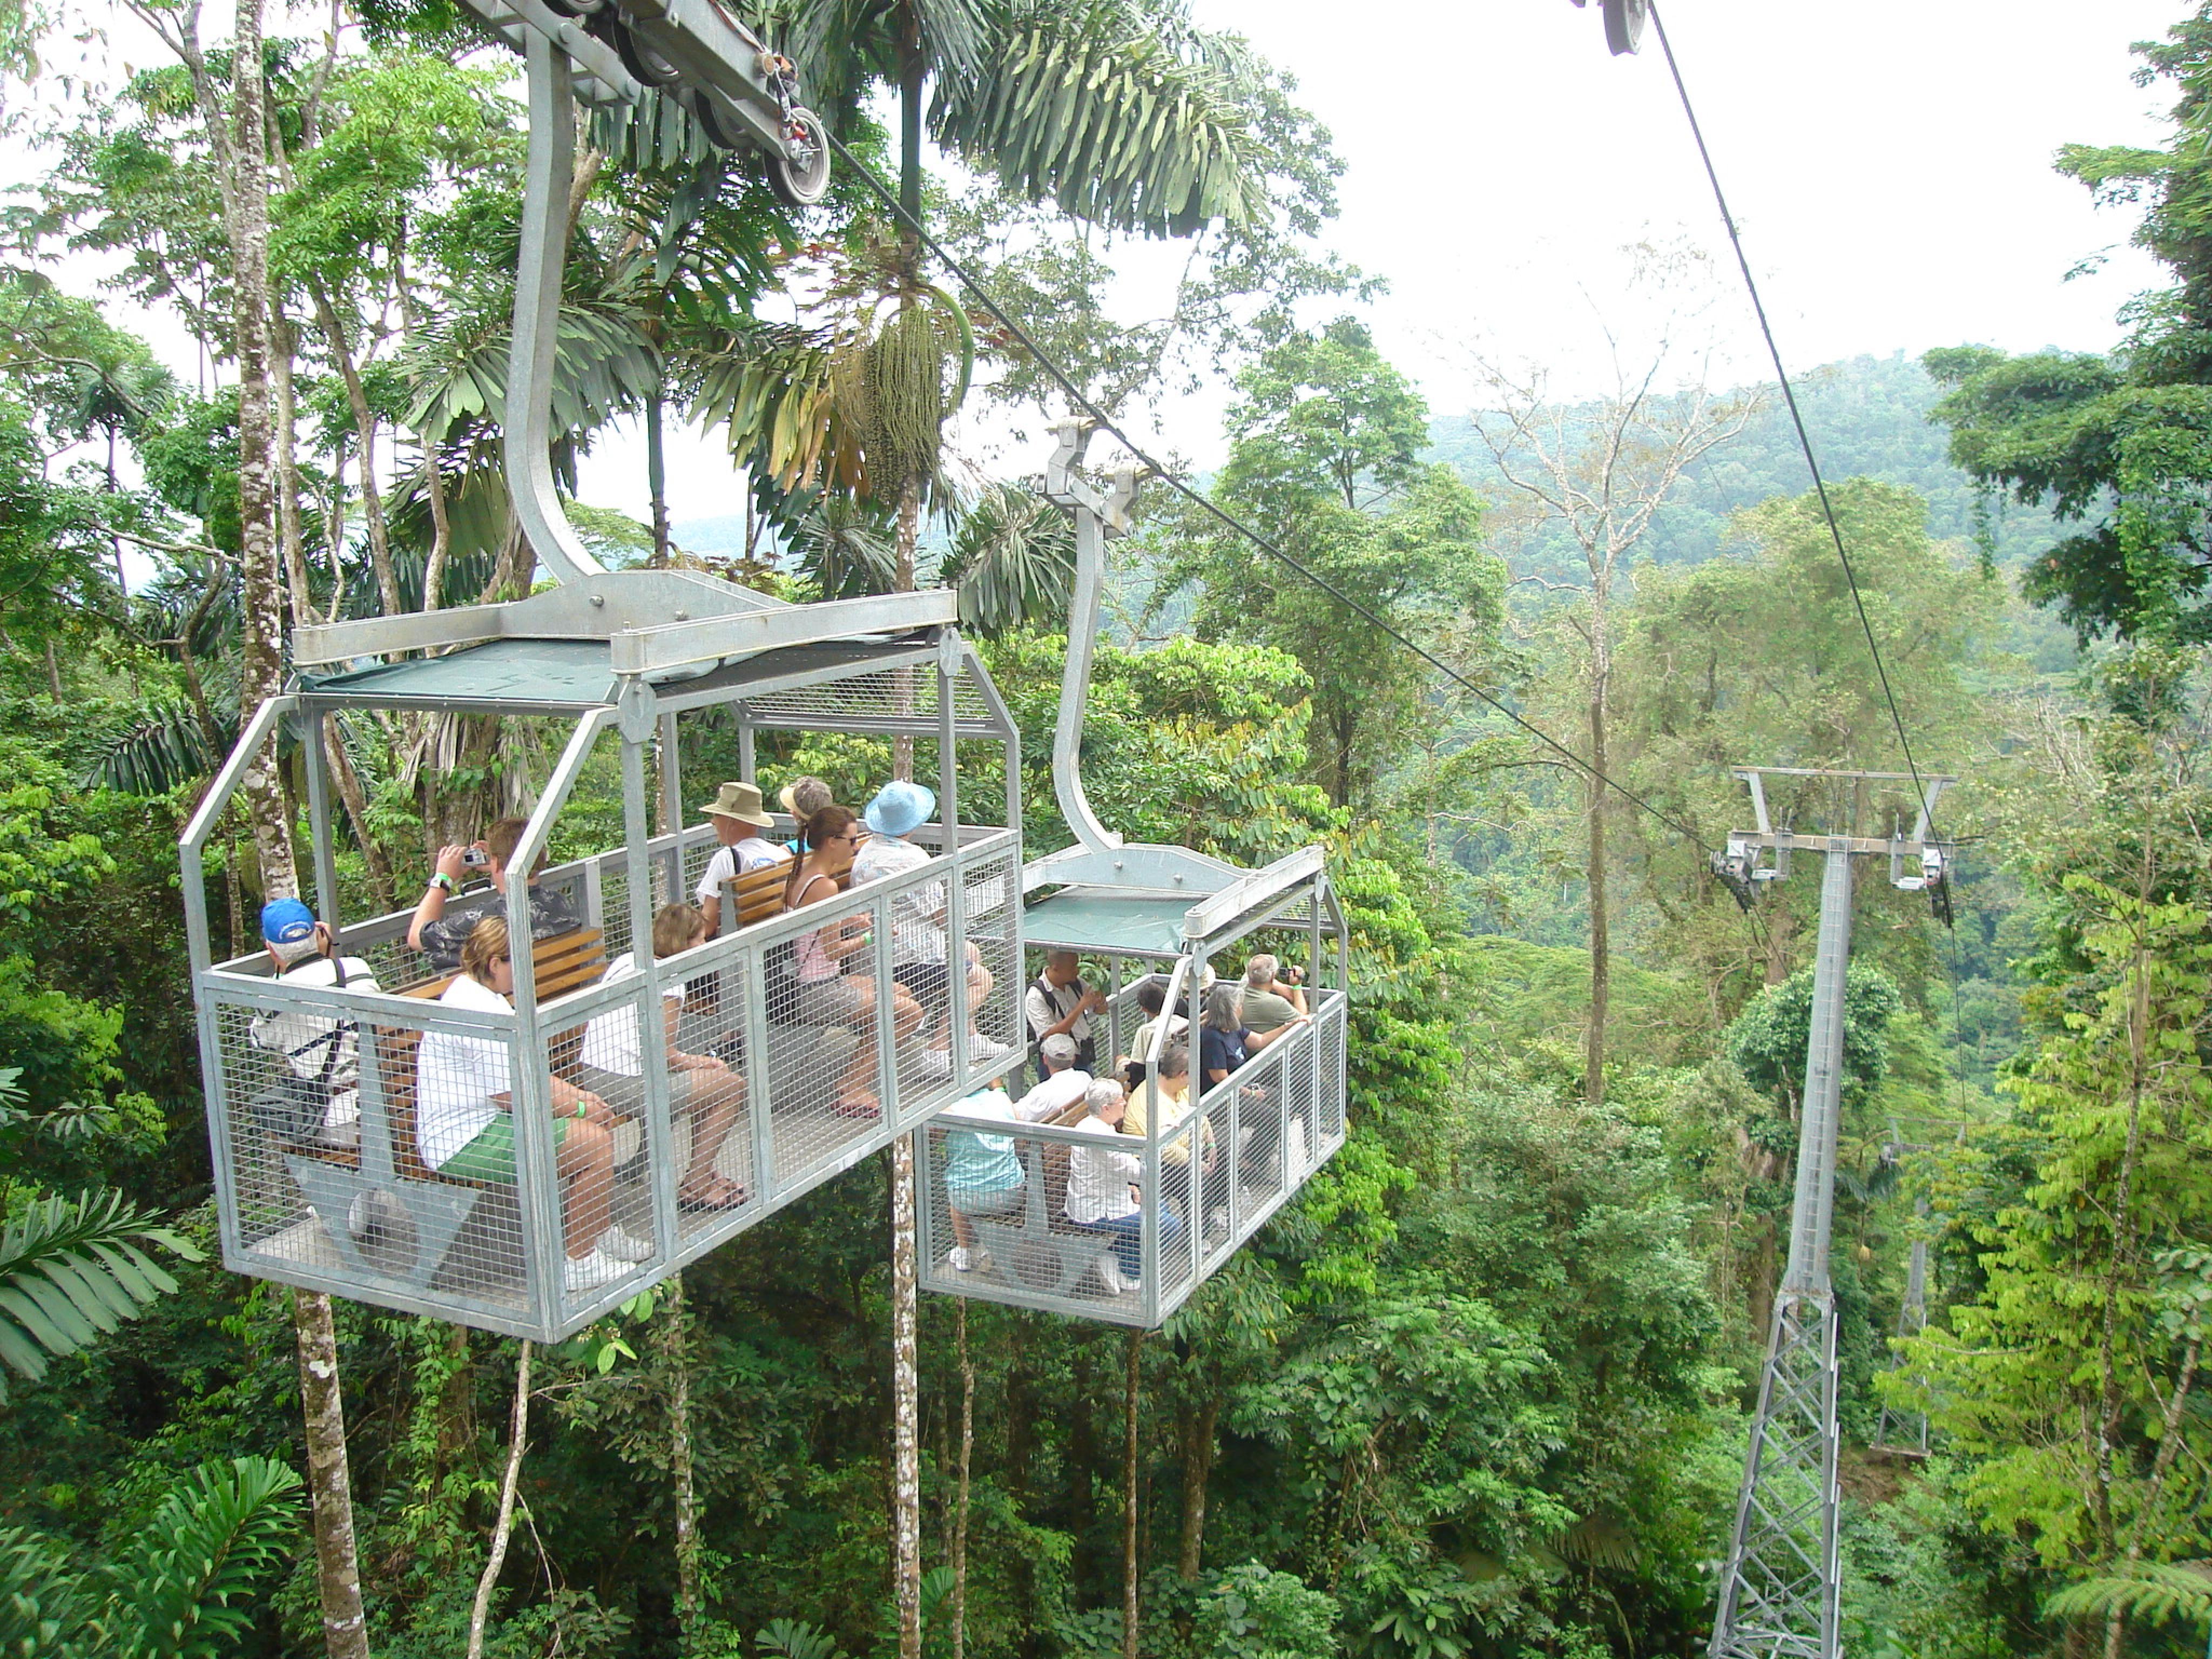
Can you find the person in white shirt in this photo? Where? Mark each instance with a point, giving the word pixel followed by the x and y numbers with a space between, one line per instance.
pixel 319 1049
pixel 465 1117
pixel 1102 1190
pixel 1059 1004
pixel 919 952
pixel 738 819
pixel 1063 1086
pixel 700 1086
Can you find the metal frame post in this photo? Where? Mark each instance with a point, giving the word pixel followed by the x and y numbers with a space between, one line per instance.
pixel 652 1036
pixel 956 887
pixel 322 844
pixel 1779 1585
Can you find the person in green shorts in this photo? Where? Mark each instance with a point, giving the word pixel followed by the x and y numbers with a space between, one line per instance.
pixel 465 1120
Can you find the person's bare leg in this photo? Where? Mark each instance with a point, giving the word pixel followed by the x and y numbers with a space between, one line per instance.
pixel 978 992
pixel 962 1234
pixel 858 1083
pixel 587 1177
pixel 715 1099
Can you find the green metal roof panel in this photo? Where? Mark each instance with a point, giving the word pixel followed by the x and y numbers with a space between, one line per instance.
pixel 1091 921
pixel 539 673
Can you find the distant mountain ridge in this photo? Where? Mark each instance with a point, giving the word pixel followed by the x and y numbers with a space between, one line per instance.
pixel 1867 417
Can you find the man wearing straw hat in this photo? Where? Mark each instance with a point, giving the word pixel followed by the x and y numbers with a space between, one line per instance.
pixel 738 819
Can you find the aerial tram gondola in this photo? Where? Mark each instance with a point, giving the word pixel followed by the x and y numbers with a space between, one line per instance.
pixel 1245 1146
pixel 620 659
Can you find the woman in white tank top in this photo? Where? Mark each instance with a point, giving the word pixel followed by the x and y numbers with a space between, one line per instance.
pixel 828 994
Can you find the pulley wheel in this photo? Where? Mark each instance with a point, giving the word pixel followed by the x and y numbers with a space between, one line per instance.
pixel 648 66
pixel 802 180
pixel 712 122
pixel 1623 25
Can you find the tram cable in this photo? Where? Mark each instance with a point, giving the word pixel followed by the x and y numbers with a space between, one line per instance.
pixel 1789 397
pixel 1105 423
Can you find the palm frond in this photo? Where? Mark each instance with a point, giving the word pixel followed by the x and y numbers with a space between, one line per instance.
pixel 846 549
pixel 1013 561
pixel 47 1609
pixel 795 1640
pixel 204 1552
pixel 167 748
pixel 1117 120
pixel 71 1269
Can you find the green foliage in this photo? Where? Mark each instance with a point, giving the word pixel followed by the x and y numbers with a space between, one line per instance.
pixel 1767 1040
pixel 1253 1612
pixel 181 1588
pixel 2059 1378
pixel 1321 461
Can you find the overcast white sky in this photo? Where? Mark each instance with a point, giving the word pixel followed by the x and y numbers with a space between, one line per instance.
pixel 1889 162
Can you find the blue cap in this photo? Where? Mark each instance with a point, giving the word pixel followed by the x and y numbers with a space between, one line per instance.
pixel 286 921
pixel 899 808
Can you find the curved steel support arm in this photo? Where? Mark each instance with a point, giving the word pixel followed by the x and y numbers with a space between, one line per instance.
pixel 1094 520
pixel 527 420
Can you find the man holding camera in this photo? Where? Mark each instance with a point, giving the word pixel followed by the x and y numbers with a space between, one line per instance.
pixel 1272 998
pixel 442 923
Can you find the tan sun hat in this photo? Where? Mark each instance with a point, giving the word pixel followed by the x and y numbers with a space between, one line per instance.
pixel 741 801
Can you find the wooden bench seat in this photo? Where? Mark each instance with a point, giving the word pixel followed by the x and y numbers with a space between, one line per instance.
pixel 567 962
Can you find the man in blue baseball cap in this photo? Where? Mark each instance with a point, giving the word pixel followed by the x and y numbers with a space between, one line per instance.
pixel 320 1050
pixel 919 957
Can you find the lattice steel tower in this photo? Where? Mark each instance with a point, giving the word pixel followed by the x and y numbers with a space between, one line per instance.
pixel 1778 1595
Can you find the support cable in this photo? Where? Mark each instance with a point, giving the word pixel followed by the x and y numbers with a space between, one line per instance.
pixel 1789 395
pixel 1105 423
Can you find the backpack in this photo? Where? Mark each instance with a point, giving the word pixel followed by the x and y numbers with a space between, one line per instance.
pixel 294 1108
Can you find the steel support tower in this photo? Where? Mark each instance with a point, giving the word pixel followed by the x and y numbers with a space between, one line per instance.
pixel 1778 1591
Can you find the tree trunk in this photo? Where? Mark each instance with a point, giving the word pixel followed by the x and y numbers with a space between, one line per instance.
pixel 1131 1386
pixel 959 1550
pixel 905 1449
pixel 364 422
pixel 329 1483
pixel 1197 1468
pixel 354 799
pixel 676 1355
pixel 441 529
pixel 656 477
pixel 909 532
pixel 1600 919
pixel 244 146
pixel 681 1468
pixel 518 1435
pixel 54 673
pixel 289 536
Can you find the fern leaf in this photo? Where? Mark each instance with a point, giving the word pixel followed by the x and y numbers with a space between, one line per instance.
pixel 206 1551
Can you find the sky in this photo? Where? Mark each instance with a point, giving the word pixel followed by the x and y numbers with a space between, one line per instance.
pixel 1888 164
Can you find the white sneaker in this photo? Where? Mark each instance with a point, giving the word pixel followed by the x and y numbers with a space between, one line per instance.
pixel 591 1270
pixel 1109 1276
pixel 622 1247
pixel 984 1050
pixel 959 1260
pixel 930 1065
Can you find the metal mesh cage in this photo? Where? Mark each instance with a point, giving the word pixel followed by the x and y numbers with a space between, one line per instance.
pixel 906 698
pixel 1003 1197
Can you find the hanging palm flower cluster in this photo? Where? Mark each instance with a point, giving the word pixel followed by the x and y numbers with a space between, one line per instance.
pixel 856 406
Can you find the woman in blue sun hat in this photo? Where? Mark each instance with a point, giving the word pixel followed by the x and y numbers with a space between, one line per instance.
pixel 920 955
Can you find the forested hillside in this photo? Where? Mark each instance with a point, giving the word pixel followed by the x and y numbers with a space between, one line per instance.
pixel 1483 1389
pixel 1870 418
